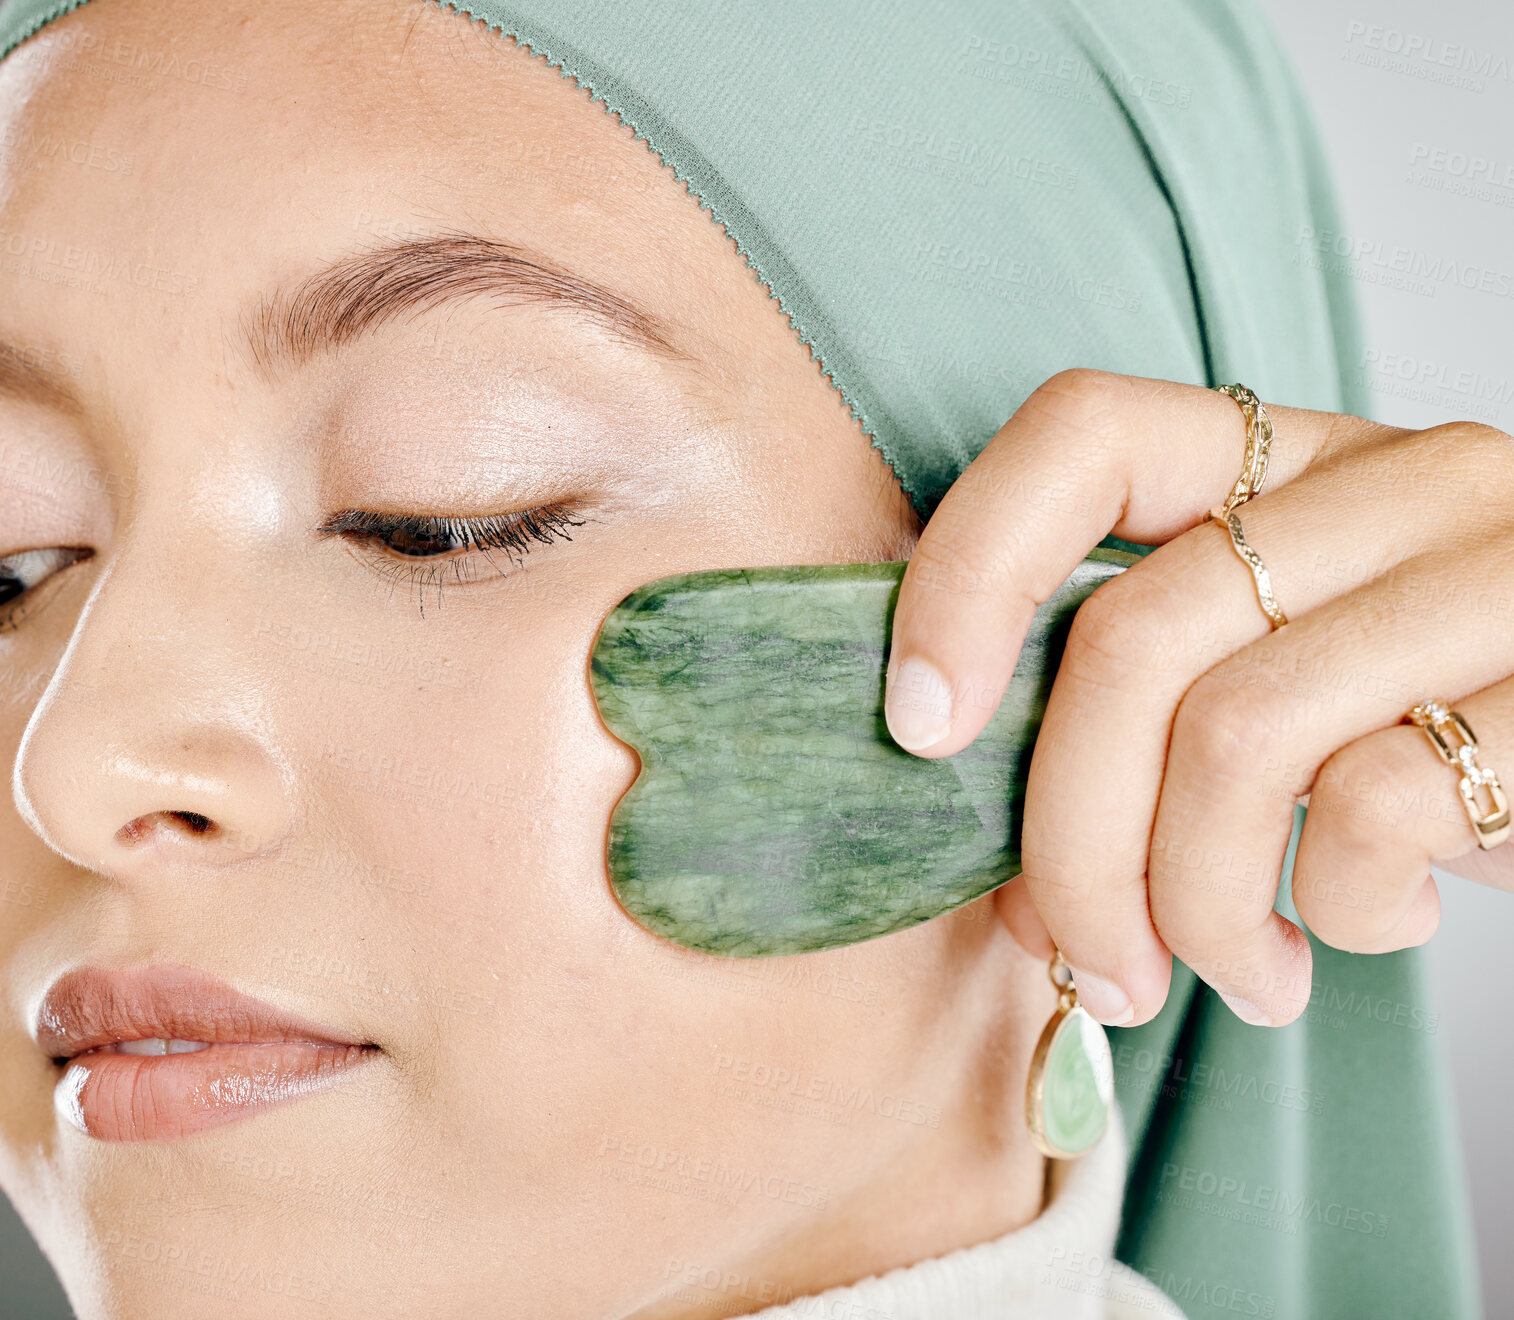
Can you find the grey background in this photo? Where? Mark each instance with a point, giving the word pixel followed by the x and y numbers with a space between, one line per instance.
pixel 1431 357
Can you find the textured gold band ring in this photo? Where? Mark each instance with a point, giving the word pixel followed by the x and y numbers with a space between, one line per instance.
pixel 1259 572
pixel 1258 448
pixel 1436 719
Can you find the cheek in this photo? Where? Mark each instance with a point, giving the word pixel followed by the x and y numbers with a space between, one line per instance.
pixel 461 786
pixel 463 760
pixel 547 1026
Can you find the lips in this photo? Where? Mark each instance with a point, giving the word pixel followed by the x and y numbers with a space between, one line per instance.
pixel 165 1052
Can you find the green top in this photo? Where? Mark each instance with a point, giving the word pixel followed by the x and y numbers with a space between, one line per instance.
pixel 951 203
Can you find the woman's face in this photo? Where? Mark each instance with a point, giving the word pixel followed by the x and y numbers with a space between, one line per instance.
pixel 252 286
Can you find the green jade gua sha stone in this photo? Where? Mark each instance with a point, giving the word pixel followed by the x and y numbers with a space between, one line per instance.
pixel 773 813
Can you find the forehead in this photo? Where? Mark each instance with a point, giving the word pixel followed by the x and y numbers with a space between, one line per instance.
pixel 209 150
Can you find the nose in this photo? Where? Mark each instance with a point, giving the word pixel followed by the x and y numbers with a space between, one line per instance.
pixel 150 748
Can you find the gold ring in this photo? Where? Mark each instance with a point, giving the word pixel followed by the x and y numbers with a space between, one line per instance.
pixel 1435 718
pixel 1259 572
pixel 1258 447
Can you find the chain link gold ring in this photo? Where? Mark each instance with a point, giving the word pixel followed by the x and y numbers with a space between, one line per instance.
pixel 1437 720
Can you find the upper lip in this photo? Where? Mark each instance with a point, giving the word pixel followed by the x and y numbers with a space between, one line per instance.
pixel 91 1007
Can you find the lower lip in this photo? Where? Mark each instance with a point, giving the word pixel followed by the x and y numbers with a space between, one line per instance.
pixel 153 1097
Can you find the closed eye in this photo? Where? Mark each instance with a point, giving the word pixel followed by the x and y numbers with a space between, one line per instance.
pixel 425 550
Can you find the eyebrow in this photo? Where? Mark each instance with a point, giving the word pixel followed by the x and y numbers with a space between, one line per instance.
pixel 359 293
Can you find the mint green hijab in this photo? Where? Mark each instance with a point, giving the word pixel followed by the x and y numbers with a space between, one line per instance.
pixel 952 202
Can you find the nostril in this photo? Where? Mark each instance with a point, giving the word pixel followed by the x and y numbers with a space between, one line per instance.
pixel 191 821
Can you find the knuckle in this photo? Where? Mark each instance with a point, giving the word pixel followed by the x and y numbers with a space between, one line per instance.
pixel 1085 385
pixel 1356 851
pixel 1455 460
pixel 1214 867
pixel 1127 623
pixel 1365 791
pixel 1338 891
pixel 955 559
pixel 1204 945
pixel 1055 882
pixel 1480 444
pixel 1362 811
pixel 1226 727
pixel 1084 398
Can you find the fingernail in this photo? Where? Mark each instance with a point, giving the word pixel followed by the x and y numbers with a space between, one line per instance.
pixel 1103 999
pixel 1246 1010
pixel 918 705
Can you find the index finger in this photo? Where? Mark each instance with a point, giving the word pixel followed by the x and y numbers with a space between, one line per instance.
pixel 1089 453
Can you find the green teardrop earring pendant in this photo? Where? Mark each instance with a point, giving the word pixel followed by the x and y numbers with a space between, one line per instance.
pixel 1071 1085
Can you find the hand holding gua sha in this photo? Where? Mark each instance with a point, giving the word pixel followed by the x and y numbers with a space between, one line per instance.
pixel 773 813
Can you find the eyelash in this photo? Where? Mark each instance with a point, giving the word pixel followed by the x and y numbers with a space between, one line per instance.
pixel 12 567
pixel 514 533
